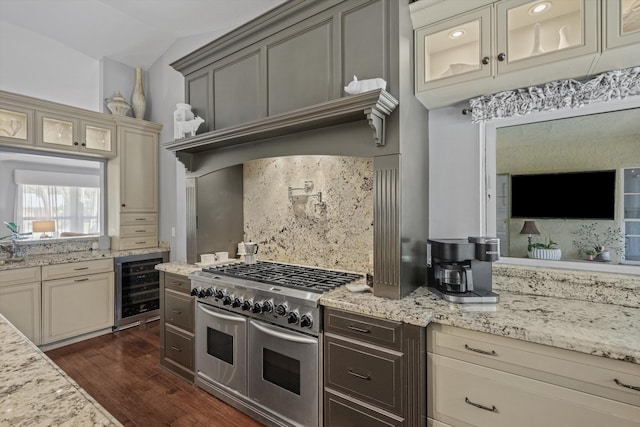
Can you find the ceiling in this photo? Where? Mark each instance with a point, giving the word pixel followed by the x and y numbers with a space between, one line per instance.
pixel 132 32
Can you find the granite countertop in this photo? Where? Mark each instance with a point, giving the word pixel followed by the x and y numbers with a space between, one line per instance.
pixel 35 391
pixel 66 257
pixel 602 329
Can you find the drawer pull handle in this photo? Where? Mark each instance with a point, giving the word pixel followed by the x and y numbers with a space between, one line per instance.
pixel 176 348
pixel 355 328
pixel 84 279
pixel 140 231
pixel 140 243
pixel 176 311
pixel 81 268
pixel 140 219
pixel 357 375
pixel 621 384
pixel 477 350
pixel 176 283
pixel 477 405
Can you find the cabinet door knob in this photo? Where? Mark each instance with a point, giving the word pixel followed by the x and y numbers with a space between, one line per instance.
pixel 485 60
pixel 83 144
pixel 502 57
pixel 75 143
pixel 123 205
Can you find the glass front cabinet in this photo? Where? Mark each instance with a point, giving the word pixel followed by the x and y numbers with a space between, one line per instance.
pixel 509 44
pixel 16 125
pixel 631 205
pixel 61 132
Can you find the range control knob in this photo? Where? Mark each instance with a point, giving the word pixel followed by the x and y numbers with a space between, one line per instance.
pixel 267 307
pixel 194 292
pixel 226 300
pixel 208 292
pixel 246 305
pixel 201 293
pixel 237 302
pixel 281 309
pixel 257 308
pixel 218 293
pixel 306 321
pixel 292 318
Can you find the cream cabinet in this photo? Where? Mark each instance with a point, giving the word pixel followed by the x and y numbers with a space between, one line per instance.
pixel 77 299
pixel 66 132
pixel 20 300
pixel 16 124
pixel 478 379
pixel 466 49
pixel 133 186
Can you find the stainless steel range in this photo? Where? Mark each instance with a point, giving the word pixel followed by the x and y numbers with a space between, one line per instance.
pixel 258 337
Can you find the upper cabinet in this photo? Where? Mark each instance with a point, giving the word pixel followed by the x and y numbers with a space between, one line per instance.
pixel 69 133
pixel 477 47
pixel 48 126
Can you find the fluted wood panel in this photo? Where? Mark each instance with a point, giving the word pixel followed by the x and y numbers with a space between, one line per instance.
pixel 386 235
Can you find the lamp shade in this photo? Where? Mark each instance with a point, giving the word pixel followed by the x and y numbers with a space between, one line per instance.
pixel 529 227
pixel 44 226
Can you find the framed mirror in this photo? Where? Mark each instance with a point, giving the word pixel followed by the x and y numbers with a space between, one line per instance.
pixel 587 157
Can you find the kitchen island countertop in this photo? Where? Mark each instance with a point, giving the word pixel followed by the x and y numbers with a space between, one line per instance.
pixel 35 391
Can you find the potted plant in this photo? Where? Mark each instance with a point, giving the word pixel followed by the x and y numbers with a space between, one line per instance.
pixel 544 250
pixel 599 240
pixel 590 253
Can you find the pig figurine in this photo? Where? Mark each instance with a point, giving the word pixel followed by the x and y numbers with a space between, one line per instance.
pixel 356 86
pixel 188 126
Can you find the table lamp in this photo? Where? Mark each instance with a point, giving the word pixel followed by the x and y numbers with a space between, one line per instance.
pixel 529 228
pixel 44 227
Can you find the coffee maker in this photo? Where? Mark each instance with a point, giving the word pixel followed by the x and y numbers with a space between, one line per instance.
pixel 459 270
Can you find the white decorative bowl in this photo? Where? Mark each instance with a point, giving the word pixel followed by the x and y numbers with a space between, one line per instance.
pixel 551 254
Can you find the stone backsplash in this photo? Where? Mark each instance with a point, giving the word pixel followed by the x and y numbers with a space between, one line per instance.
pixel 608 288
pixel 336 234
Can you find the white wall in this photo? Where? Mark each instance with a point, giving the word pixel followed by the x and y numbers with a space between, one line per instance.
pixel 455 178
pixel 37 66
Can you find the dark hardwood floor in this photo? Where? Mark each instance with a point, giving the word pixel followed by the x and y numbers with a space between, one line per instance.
pixel 122 372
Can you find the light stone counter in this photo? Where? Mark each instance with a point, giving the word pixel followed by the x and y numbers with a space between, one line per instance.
pixel 526 311
pixel 34 391
pixel 67 257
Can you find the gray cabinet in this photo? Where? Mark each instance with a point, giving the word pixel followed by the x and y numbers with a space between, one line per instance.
pixel 304 56
pixel 177 325
pixel 374 371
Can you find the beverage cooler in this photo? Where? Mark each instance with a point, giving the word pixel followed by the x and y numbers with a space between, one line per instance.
pixel 137 298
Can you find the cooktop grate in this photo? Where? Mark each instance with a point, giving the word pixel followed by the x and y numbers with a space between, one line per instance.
pixel 291 276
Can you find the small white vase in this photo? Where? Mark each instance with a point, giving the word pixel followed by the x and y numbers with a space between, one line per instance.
pixel 138 102
pixel 563 32
pixel 537 48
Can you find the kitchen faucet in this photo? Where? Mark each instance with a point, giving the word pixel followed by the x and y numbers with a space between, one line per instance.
pixel 13 249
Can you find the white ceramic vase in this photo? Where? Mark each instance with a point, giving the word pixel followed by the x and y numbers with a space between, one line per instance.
pixel 138 102
pixel 537 48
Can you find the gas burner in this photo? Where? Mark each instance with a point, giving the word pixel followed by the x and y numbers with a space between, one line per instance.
pixel 286 275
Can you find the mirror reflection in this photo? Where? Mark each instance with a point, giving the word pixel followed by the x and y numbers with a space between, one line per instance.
pixel 46 196
pixel 570 188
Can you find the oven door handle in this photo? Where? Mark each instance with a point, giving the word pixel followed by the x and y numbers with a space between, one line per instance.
pixel 222 316
pixel 278 333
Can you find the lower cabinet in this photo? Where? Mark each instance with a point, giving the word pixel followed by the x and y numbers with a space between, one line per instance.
pixel 177 325
pixel 20 300
pixel 373 371
pixel 477 379
pixel 81 301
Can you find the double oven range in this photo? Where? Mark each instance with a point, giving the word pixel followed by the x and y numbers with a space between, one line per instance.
pixel 258 338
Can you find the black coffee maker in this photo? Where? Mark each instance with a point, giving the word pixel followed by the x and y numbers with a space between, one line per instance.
pixel 459 270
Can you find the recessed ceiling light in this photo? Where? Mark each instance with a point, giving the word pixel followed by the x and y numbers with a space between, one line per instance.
pixel 457 33
pixel 538 8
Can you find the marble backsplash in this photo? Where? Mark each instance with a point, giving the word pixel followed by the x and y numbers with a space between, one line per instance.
pixel 337 234
pixel 608 288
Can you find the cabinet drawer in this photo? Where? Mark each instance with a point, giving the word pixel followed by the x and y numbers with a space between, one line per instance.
pixel 366 372
pixel 343 411
pixel 138 242
pixel 178 283
pixel 377 331
pixel 579 371
pixel 178 310
pixel 60 271
pixel 179 347
pixel 136 219
pixel 465 394
pixel 138 230
pixel 19 275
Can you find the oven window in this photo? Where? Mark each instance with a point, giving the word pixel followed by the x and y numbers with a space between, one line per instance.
pixel 281 370
pixel 220 345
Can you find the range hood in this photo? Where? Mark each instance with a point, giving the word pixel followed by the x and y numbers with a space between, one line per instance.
pixel 373 106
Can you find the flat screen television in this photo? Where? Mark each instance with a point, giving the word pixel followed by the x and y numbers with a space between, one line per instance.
pixel 570 195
